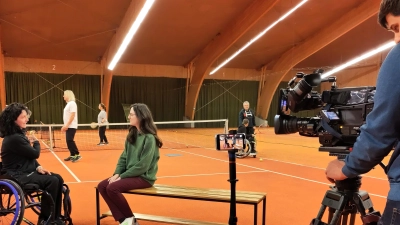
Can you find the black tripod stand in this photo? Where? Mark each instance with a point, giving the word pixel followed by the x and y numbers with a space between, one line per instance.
pixel 344 200
pixel 232 179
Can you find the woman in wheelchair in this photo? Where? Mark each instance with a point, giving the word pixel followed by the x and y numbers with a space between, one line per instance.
pixel 19 160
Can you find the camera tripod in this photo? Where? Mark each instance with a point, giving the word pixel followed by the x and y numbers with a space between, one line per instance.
pixel 344 200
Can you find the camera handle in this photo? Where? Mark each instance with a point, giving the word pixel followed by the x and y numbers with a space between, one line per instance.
pixel 232 179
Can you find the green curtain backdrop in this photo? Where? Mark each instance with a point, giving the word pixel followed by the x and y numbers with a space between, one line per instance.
pixel 43 94
pixel 223 99
pixel 164 96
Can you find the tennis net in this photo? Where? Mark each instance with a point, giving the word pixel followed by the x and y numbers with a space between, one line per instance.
pixel 174 134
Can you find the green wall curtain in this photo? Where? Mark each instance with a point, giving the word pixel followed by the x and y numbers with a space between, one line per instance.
pixel 223 99
pixel 165 97
pixel 43 94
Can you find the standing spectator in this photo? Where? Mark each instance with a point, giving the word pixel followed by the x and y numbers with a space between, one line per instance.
pixel 247 113
pixel 102 120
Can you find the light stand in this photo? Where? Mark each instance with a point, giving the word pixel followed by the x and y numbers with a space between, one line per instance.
pixel 232 179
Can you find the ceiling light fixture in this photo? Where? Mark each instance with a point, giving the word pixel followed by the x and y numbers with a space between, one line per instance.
pixel 135 26
pixel 257 37
pixel 358 59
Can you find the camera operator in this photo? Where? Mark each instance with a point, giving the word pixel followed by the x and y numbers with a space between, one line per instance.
pixel 247 113
pixel 382 129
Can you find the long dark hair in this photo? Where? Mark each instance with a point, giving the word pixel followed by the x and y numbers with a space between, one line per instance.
pixel 146 124
pixel 8 117
pixel 103 106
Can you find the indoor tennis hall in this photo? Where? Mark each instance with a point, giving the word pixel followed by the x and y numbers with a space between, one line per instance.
pixel 195 63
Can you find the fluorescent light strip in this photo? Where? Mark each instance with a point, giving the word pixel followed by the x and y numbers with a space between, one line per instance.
pixel 257 37
pixel 358 59
pixel 131 32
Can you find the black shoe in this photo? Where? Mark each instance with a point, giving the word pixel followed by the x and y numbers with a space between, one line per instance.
pixel 69 158
pixel 106 143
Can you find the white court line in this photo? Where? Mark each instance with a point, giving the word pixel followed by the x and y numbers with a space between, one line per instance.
pixel 298 164
pixel 270 171
pixel 62 163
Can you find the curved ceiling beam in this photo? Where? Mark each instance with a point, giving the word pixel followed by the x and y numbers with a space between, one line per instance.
pixel 228 36
pixel 311 45
pixel 106 78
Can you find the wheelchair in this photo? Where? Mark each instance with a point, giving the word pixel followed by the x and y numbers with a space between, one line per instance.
pixel 15 198
pixel 250 147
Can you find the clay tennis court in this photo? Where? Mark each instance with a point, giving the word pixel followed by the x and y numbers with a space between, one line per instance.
pixel 291 173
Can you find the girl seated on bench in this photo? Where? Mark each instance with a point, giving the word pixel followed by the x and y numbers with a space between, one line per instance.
pixel 137 166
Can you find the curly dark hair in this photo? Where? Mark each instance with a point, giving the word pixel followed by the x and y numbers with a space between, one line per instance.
pixel 147 125
pixel 388 7
pixel 8 117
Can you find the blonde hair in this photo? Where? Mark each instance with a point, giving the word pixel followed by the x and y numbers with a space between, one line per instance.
pixel 70 95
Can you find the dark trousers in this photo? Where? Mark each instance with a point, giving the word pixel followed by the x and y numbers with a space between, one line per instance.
pixel 112 195
pixel 102 134
pixel 53 184
pixel 70 135
pixel 391 214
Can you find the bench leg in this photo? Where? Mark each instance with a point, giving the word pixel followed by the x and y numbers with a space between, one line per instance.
pixel 97 207
pixel 264 211
pixel 255 213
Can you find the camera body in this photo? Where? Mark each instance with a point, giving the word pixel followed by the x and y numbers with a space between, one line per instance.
pixel 228 142
pixel 337 125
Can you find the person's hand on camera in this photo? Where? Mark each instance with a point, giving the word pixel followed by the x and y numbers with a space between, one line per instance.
pixel 334 171
pixel 114 178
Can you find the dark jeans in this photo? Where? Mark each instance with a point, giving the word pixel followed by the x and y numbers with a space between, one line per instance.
pixel 70 135
pixel 391 214
pixel 112 195
pixel 102 134
pixel 53 184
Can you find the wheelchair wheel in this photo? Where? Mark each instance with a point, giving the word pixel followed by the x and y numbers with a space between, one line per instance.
pixel 243 153
pixel 12 204
pixel 33 200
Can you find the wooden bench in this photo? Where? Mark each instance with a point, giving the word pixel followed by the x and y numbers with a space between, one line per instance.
pixel 191 193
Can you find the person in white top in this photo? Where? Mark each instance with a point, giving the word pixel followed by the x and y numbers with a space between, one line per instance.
pixel 70 118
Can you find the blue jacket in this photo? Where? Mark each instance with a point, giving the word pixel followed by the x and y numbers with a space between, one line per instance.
pixel 382 129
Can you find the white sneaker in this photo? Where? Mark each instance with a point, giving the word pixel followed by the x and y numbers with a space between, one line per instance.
pixel 130 221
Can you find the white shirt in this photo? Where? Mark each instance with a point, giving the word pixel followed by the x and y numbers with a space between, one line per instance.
pixel 70 108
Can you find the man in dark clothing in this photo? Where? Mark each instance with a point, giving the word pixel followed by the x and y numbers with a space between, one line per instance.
pixel 247 113
pixel 382 129
pixel 249 136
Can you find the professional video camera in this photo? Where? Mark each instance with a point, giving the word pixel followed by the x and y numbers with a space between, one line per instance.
pixel 343 111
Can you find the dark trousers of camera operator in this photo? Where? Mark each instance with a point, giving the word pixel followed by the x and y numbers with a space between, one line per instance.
pixel 53 184
pixel 70 135
pixel 391 215
pixel 102 134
